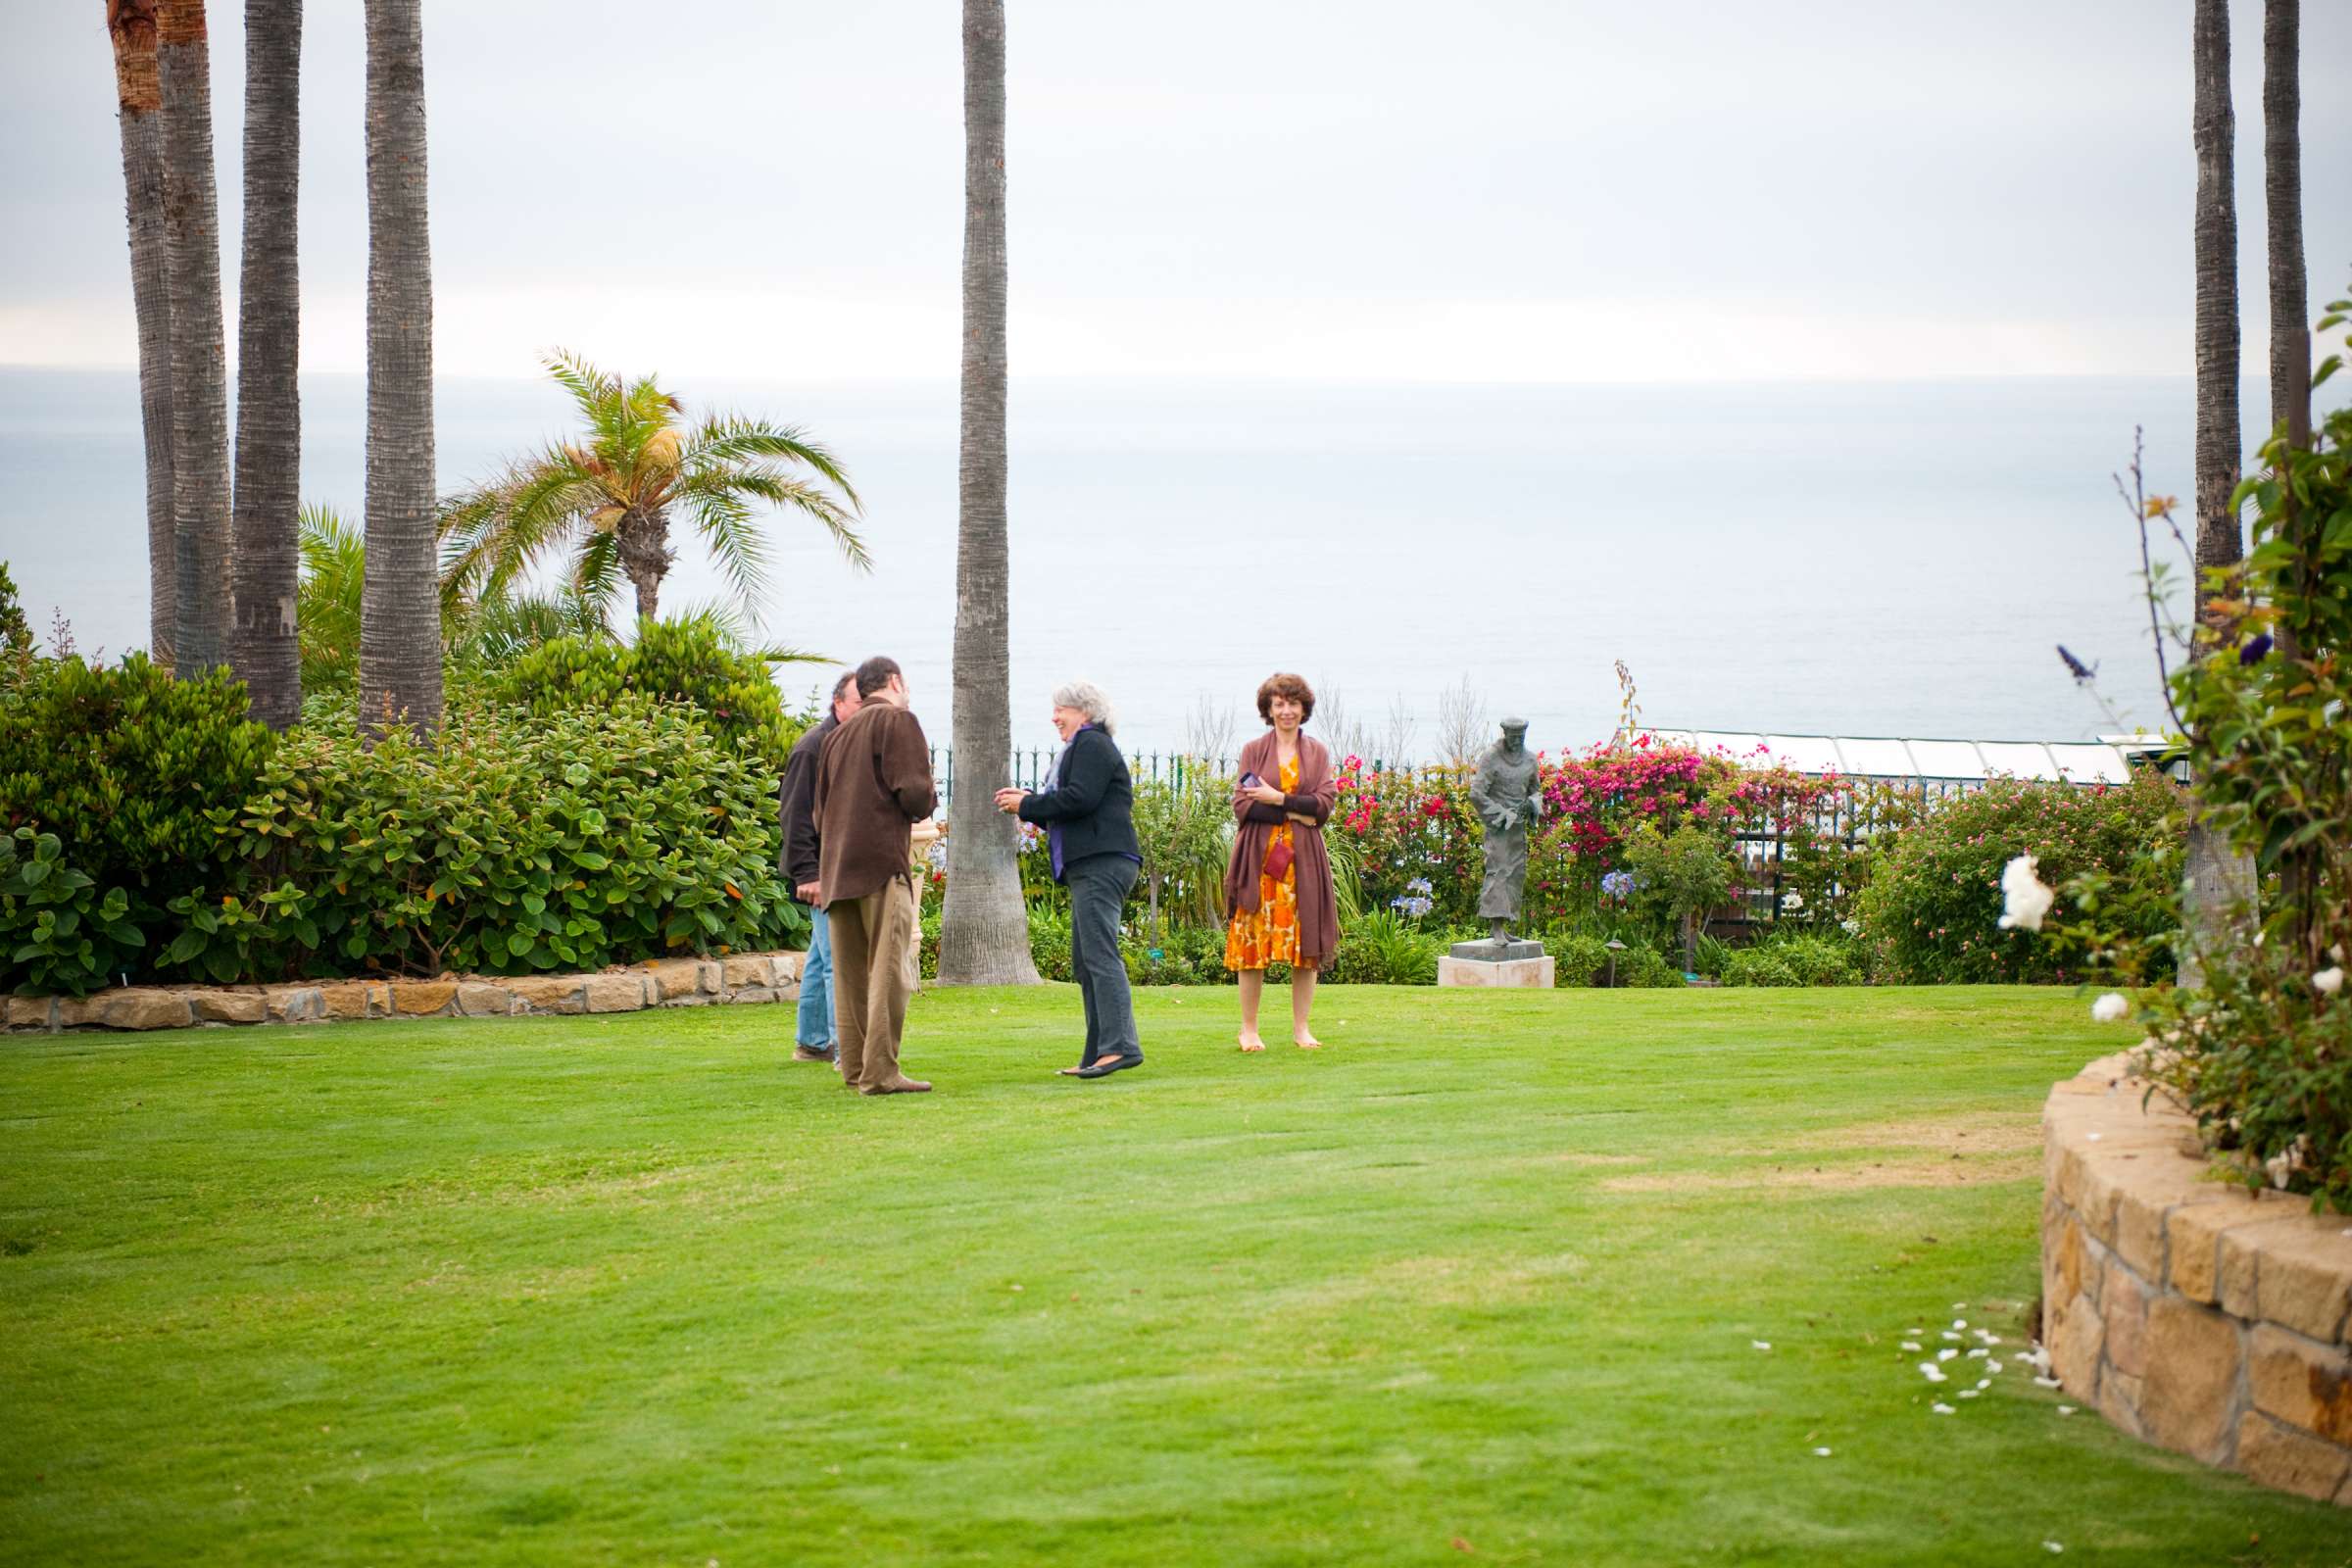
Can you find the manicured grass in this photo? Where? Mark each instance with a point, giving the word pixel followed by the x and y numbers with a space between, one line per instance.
pixel 1480 1278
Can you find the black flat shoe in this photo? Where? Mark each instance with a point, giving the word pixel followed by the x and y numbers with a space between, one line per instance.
pixel 1105 1067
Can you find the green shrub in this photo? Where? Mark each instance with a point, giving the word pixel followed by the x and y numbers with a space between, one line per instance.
pixel 1796 960
pixel 1050 942
pixel 1385 950
pixel 57 930
pixel 1758 966
pixel 1930 913
pixel 1577 960
pixel 124 767
pixel 687 660
pixel 508 845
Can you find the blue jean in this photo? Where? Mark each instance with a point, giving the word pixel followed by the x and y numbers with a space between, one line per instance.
pixel 1098 885
pixel 816 1026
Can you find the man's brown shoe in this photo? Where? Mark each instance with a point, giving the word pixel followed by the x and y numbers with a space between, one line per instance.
pixel 815 1053
pixel 900 1085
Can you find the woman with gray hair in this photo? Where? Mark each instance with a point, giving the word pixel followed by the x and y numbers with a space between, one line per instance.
pixel 1088 812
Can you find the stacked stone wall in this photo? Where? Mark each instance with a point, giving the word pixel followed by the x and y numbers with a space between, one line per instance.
pixel 742 977
pixel 2191 1312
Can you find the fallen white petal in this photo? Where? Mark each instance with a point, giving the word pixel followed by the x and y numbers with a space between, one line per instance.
pixel 2051 1545
pixel 1946 1353
pixel 1931 1371
pixel 1959 1322
pixel 1913 1345
pixel 1821 1453
pixel 1992 1366
pixel 1940 1409
pixel 1979 1353
pixel 1983 1382
pixel 1949 1335
pixel 2048 1383
pixel 1761 1345
pixel 2111 1007
pixel 2065 1410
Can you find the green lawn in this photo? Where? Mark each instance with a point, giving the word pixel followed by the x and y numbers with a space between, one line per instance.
pixel 1482 1278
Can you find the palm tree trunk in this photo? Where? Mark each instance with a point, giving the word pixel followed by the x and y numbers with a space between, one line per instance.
pixel 645 557
pixel 2282 201
pixel 140 94
pixel 400 607
pixel 201 594
pixel 2218 883
pixel 2290 360
pixel 262 650
pixel 2219 539
pixel 984 928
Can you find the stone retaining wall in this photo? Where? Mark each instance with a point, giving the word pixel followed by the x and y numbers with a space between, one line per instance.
pixel 2191 1312
pixel 665 983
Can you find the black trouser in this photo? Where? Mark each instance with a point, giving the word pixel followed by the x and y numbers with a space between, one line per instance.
pixel 1098 885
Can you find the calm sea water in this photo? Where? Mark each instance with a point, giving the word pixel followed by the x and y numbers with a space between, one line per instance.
pixel 1859 560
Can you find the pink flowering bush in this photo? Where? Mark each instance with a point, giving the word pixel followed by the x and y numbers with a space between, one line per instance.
pixel 1397 826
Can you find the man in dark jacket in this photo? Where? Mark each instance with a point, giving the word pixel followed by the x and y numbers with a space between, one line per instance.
pixel 873 784
pixel 817 1039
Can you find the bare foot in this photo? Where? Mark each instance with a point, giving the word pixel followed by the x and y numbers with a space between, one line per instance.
pixel 1309 1043
pixel 1067 1073
pixel 1251 1041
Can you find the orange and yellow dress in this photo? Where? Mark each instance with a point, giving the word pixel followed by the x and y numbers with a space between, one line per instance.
pixel 1271 935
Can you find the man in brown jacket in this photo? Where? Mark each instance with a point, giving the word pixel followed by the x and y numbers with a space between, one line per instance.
pixel 873 784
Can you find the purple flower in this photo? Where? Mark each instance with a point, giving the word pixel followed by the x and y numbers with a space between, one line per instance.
pixel 2256 646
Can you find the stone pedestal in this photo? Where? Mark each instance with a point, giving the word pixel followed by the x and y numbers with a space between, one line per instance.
pixel 1497 963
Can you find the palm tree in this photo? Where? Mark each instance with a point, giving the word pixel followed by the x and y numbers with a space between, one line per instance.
pixel 2219 541
pixel 201 593
pixel 604 503
pixel 2218 883
pixel 2282 201
pixel 400 631
pixel 984 929
pixel 140 94
pixel 477 633
pixel 262 648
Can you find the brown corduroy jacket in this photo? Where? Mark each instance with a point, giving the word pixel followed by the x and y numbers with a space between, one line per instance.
pixel 873 784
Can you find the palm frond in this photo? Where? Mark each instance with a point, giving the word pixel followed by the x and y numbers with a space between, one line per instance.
pixel 734 539
pixel 724 440
pixel 777 490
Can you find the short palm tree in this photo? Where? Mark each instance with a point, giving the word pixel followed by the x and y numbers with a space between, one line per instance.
pixel 603 504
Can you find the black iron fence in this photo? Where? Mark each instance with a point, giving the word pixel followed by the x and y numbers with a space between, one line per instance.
pixel 1846 820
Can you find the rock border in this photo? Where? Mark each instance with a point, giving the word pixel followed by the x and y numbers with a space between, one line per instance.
pixel 742 977
pixel 2191 1312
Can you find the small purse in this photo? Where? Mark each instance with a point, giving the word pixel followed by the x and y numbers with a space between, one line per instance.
pixel 1278 859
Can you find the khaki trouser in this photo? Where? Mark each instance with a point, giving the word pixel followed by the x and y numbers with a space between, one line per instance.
pixel 872 939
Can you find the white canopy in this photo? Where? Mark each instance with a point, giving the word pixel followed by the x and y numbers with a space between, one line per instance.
pixel 2107 760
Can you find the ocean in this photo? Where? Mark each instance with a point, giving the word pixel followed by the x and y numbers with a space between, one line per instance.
pixel 1797 559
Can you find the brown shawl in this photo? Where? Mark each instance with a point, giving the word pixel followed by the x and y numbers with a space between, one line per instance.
pixel 1318 896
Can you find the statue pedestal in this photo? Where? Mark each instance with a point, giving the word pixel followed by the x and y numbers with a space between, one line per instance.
pixel 1523 964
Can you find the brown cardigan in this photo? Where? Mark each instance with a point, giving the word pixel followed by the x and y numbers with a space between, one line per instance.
pixel 873 784
pixel 1318 793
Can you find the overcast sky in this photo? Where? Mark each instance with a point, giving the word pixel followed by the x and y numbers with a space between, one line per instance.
pixel 1551 190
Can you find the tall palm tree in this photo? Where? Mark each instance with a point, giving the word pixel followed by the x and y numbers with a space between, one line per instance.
pixel 199 352
pixel 2217 882
pixel 2282 201
pixel 400 631
pixel 2220 540
pixel 984 929
pixel 140 95
pixel 604 503
pixel 262 648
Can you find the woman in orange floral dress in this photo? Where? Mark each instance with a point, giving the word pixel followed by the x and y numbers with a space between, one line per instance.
pixel 1280 903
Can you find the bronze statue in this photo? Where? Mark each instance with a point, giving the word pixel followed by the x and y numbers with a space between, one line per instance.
pixel 1509 801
